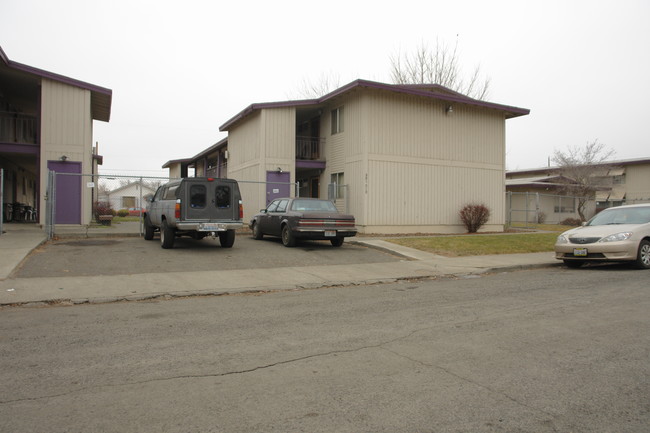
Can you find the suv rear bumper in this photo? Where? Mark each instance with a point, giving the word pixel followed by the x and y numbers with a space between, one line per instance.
pixel 206 226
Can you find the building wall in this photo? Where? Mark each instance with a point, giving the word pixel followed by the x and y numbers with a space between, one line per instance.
pixel 637 183
pixel 66 129
pixel 412 168
pixel 263 142
pixel 175 171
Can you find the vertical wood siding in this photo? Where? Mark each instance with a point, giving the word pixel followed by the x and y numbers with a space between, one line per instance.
pixel 420 194
pixel 280 133
pixel 637 182
pixel 424 165
pixel 66 123
pixel 66 129
pixel 245 141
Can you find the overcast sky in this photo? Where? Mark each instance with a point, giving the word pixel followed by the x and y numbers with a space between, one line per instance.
pixel 179 70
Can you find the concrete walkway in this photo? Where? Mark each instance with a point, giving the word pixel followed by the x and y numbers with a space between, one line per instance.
pixel 20 239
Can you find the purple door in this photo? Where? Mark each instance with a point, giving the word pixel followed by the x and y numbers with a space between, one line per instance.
pixel 277 190
pixel 68 192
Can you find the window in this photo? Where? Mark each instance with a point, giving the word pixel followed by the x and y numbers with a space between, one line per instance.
pixel 282 206
pixel 336 186
pixel 223 196
pixel 565 204
pixel 170 193
pixel 618 180
pixel 197 196
pixel 337 120
pixel 273 206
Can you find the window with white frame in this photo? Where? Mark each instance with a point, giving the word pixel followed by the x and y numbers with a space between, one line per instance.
pixel 337 183
pixel 337 120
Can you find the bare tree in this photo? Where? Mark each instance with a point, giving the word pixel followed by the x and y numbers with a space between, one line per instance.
pixel 584 167
pixel 440 65
pixel 322 86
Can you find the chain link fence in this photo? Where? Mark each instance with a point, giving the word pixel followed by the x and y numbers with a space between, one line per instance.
pixel 118 200
pixel 530 208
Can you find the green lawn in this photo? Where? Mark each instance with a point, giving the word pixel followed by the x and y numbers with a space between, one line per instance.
pixel 476 245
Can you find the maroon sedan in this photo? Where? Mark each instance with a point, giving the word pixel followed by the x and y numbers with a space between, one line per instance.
pixel 303 218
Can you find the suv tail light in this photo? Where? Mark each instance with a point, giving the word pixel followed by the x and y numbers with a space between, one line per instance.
pixel 177 210
pixel 241 210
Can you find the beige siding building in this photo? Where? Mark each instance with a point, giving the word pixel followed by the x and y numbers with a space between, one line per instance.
pixel 615 183
pixel 400 158
pixel 46 123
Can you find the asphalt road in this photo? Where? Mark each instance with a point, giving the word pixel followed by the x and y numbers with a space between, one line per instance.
pixel 531 351
pixel 134 255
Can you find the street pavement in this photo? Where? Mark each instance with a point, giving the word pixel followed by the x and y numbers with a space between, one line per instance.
pixel 19 240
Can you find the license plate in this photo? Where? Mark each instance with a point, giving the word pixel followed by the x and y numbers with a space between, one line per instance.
pixel 211 227
pixel 330 233
pixel 580 252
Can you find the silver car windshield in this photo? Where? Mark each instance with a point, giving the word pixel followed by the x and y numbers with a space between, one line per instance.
pixel 313 205
pixel 635 215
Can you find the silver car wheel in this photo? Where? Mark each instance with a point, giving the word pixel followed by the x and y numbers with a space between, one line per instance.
pixel 644 255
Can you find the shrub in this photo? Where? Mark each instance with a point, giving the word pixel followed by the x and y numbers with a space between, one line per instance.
pixel 123 213
pixel 102 208
pixel 474 216
pixel 541 217
pixel 571 222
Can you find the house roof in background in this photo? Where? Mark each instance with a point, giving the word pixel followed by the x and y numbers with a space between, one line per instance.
pixel 432 91
pixel 551 169
pixel 188 161
pixel 100 99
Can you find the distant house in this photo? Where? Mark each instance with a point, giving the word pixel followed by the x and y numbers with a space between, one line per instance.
pixel 542 199
pixel 131 195
pixel 401 158
pixel 616 183
pixel 46 123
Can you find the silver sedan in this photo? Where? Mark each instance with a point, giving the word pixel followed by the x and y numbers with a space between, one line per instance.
pixel 618 234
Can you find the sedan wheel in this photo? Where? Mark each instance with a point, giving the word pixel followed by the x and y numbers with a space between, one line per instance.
pixel 287 237
pixel 257 233
pixel 643 258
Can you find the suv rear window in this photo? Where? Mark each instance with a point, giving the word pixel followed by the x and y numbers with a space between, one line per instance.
pixel 197 196
pixel 223 196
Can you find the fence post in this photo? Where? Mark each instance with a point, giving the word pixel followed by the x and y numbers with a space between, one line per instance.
pixel 50 204
pixel 536 208
pixel 526 211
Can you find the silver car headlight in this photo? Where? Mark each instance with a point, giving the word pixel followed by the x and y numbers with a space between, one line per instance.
pixel 562 239
pixel 623 236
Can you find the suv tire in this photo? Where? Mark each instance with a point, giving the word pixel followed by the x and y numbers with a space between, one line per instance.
pixel 167 235
pixel 227 238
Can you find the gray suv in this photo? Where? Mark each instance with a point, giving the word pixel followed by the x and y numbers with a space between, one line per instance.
pixel 196 207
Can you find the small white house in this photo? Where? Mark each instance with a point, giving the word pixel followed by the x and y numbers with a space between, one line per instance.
pixel 131 195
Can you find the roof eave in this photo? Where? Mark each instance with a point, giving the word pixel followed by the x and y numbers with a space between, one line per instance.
pixel 454 97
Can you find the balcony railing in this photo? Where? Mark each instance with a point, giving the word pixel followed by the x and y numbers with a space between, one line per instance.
pixel 17 128
pixel 309 148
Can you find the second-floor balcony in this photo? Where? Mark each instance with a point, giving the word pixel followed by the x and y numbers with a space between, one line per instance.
pixel 309 148
pixel 17 128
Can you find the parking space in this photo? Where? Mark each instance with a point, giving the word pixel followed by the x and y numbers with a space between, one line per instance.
pixel 134 255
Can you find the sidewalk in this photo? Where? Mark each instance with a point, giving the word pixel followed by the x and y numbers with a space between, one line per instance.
pixel 20 240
